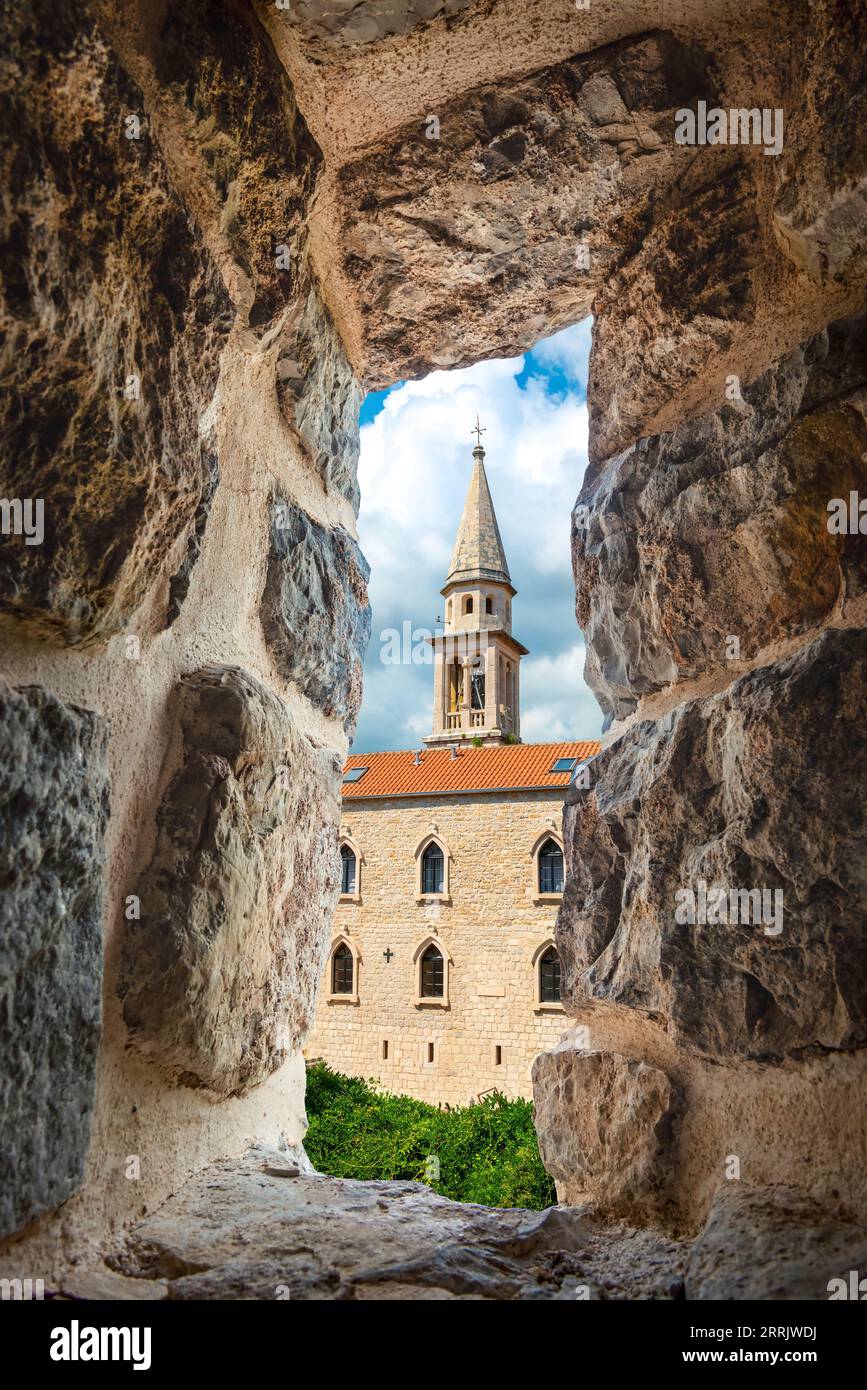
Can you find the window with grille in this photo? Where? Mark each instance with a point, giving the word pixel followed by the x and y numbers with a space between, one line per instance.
pixel 341 970
pixel 432 974
pixel 432 866
pixel 550 868
pixel 347 870
pixel 549 977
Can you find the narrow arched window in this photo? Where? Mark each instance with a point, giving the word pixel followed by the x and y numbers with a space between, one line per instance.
pixel 549 977
pixel 347 870
pixel 432 974
pixel 432 865
pixel 468 603
pixel 489 605
pixel 477 685
pixel 550 868
pixel 341 970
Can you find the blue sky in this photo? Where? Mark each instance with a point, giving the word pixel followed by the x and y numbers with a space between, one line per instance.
pixel 415 465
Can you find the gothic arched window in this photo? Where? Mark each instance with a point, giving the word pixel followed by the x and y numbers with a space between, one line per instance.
pixel 550 868
pixel 347 870
pixel 549 977
pixel 342 970
pixel 468 603
pixel 431 974
pixel 432 866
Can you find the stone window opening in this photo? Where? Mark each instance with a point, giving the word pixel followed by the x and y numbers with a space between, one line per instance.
pixel 432 974
pixel 350 869
pixel 430 1052
pixel 468 604
pixel 548 868
pixel 342 979
pixel 547 975
pixel 489 605
pixel 498 1056
pixel 432 870
pixel 342 971
pixel 478 685
pixel 456 688
pixel 431 962
pixel 385 1049
pixel 347 871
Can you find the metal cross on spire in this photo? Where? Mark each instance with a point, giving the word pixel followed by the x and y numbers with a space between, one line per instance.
pixel 478 432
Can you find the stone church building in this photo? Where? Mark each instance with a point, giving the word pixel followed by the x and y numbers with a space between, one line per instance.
pixel 442 981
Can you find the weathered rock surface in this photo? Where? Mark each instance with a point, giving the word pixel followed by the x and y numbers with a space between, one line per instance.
pixel 256 163
pixel 457 246
pixel 113 318
pixel 666 318
pixel 772 1243
pixel 240 1232
pixel 605 1127
pixel 53 814
pixel 220 972
pixel 820 212
pixel 340 25
pixel 715 792
pixel 314 611
pixel 720 529
pixel 319 396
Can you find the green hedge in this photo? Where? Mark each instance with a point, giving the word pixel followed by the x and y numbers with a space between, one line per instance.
pixel 487 1152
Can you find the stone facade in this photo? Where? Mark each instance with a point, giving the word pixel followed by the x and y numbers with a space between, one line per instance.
pixel 492 923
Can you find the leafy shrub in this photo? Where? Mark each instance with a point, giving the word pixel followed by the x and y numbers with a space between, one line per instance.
pixel 487 1152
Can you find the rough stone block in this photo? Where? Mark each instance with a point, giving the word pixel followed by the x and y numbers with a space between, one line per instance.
pixel 720 529
pixel 760 787
pixel 315 613
pixel 820 212
pixel 605 1127
pixel 467 245
pixel 53 814
pixel 319 395
pixel 219 974
pixel 773 1243
pixel 114 317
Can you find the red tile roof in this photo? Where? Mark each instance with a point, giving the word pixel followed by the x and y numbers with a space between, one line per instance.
pixel 496 767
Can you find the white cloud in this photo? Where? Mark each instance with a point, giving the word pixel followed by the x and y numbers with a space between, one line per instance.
pixel 416 459
pixel 556 703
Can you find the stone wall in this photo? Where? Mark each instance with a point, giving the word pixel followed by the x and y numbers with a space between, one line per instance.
pixel 491 925
pixel 220 223
pixel 724 618
pixel 170 791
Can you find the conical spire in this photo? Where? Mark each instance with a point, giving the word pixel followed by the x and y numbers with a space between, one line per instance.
pixel 478 552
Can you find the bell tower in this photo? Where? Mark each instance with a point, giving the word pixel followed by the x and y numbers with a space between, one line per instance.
pixel 476 658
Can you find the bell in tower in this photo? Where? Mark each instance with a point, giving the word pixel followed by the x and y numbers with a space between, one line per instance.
pixel 476 658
